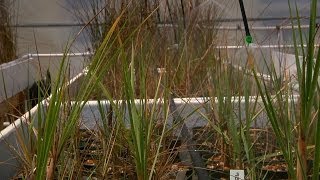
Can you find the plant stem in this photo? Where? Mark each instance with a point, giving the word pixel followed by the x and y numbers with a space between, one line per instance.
pixel 301 160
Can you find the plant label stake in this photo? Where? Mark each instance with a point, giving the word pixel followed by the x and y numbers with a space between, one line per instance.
pixel 236 174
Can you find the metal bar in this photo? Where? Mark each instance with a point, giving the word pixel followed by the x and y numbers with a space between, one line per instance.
pixel 167 25
pixel 287 27
pixel 259 19
pixel 31 55
pixel 261 27
pixel 263 46
pixel 244 18
pixel 27 56
pixel 48 25
pixel 72 24
pixel 60 54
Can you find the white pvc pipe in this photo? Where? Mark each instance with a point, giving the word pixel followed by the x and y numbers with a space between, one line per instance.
pixel 57 55
pixel 263 46
pixel 191 100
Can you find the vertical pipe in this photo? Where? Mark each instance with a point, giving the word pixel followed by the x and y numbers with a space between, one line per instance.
pixel 244 18
pixel 245 22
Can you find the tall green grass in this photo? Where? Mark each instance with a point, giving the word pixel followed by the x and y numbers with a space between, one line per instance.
pixel 236 109
pixel 7 38
pixel 296 127
pixel 7 34
pixel 128 51
pixel 61 121
pixel 54 131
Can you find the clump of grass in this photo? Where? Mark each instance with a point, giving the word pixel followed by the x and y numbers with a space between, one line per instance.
pixel 7 39
pixel 296 128
pixel 127 53
pixel 236 109
pixel 57 126
pixel 184 49
pixel 7 45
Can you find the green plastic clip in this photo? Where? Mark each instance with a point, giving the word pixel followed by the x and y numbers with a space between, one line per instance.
pixel 248 40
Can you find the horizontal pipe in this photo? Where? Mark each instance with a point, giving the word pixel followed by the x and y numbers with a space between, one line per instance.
pixel 60 54
pixel 33 55
pixel 27 56
pixel 263 46
pixel 190 100
pixel 72 24
pixel 160 25
pixel 49 25
pixel 261 28
pixel 258 28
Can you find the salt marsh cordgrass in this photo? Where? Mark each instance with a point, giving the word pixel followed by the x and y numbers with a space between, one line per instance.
pixel 144 144
pixel 140 123
pixel 308 75
pixel 279 106
pixel 54 128
pixel 192 45
pixel 135 58
pixel 131 143
pixel 7 39
pixel 57 129
pixel 234 116
pixel 296 128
